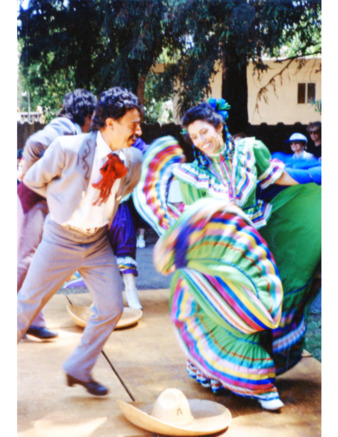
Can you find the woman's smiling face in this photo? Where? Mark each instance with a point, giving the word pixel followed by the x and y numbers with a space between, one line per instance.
pixel 206 137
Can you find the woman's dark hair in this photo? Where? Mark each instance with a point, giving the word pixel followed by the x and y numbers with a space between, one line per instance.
pixel 204 112
pixel 114 103
pixel 77 105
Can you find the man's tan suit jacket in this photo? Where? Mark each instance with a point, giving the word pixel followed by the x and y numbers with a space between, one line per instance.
pixel 62 174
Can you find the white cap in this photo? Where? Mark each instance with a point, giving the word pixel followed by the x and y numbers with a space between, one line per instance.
pixel 297 137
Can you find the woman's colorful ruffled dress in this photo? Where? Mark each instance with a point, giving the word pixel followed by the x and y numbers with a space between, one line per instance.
pixel 238 295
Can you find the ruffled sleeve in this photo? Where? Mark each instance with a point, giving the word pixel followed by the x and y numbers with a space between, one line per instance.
pixel 226 264
pixel 151 194
pixel 268 170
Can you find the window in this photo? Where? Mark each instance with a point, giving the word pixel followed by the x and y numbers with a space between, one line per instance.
pixel 306 92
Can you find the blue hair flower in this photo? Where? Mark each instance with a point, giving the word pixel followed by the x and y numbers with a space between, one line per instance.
pixel 224 114
pixel 213 102
pixel 221 106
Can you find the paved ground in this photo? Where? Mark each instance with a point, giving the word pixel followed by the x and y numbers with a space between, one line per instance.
pixel 137 364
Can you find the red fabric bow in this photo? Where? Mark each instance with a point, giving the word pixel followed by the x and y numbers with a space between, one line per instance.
pixel 111 170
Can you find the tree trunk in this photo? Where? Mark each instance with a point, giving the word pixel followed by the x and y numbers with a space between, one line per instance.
pixel 235 90
pixel 140 88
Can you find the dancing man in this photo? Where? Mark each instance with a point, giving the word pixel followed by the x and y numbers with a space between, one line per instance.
pixel 83 178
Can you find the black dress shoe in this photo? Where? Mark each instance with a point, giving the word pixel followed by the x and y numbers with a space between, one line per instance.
pixel 42 333
pixel 92 386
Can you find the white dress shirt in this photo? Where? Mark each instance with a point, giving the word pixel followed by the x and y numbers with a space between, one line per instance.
pixel 87 216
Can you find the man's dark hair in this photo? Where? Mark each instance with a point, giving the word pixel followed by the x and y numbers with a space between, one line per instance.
pixel 114 103
pixel 77 105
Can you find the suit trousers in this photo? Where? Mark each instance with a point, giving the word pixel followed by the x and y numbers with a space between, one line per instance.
pixel 29 234
pixel 60 253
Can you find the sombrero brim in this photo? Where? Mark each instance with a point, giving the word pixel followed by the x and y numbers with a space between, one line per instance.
pixel 209 417
pixel 80 315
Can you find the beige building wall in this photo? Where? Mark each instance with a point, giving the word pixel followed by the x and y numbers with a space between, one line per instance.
pixel 216 82
pixel 280 104
pixel 216 90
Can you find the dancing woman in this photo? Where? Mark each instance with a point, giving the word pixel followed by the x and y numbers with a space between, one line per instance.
pixel 237 299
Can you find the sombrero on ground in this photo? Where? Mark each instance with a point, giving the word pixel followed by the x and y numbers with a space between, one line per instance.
pixel 80 315
pixel 173 414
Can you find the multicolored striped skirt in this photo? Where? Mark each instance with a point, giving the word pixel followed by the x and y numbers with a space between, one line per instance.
pixel 239 313
pixel 225 293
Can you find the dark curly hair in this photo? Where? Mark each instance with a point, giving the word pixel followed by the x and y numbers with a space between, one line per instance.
pixel 204 112
pixel 114 103
pixel 77 105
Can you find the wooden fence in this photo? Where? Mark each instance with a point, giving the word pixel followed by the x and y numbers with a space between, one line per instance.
pixel 273 136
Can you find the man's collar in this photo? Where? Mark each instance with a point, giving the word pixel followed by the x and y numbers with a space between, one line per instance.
pixel 103 149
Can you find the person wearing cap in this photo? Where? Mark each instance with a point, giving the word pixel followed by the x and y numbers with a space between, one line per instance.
pixel 73 119
pixel 301 165
pixel 298 143
pixel 83 179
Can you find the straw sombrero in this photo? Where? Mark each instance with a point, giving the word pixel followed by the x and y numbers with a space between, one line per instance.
pixel 173 414
pixel 80 315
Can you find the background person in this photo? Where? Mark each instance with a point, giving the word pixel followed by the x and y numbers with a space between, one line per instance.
pixel 298 144
pixel 122 237
pixel 314 130
pixel 301 165
pixel 73 119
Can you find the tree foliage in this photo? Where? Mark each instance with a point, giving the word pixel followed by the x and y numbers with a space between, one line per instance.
pixel 97 44
pixel 236 32
pixel 91 44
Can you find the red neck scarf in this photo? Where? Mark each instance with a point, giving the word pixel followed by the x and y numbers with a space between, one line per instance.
pixel 111 170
